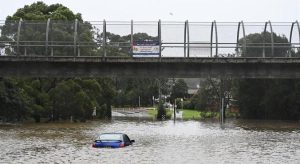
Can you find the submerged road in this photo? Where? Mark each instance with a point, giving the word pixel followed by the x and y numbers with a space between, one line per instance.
pixel 191 142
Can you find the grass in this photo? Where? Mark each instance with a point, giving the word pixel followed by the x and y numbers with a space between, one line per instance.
pixel 169 113
pixel 190 114
pixel 153 113
pixel 209 114
pixel 195 115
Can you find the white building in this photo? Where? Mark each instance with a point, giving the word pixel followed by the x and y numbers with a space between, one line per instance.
pixel 3 47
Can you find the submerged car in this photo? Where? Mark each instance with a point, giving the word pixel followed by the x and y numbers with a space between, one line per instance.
pixel 112 140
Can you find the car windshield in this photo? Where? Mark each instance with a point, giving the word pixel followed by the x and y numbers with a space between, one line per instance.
pixel 110 137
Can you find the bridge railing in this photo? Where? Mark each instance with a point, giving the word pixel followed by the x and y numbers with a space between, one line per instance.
pixel 174 39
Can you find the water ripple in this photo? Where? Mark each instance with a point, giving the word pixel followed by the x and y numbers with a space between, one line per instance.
pixel 156 142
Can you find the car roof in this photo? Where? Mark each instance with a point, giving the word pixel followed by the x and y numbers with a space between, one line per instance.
pixel 113 134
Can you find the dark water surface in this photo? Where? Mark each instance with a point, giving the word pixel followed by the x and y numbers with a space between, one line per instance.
pixel 240 141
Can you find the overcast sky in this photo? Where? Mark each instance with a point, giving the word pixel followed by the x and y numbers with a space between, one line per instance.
pixel 193 10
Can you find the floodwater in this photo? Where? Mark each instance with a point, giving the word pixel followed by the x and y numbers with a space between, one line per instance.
pixel 238 141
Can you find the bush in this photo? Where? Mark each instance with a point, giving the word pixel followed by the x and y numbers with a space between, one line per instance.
pixel 161 112
pixel 209 114
pixel 188 105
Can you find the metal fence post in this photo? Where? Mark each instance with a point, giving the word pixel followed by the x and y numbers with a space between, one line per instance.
pixel 211 38
pixel 188 38
pixel 104 38
pixel 241 23
pixel 216 33
pixel 47 37
pixel 213 27
pixel 18 36
pixel 291 35
pixel 131 36
pixel 184 39
pixel 78 39
pixel 51 36
pixel 159 37
pixel 75 36
pixel 264 39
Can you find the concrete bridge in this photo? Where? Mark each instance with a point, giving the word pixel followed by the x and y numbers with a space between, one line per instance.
pixel 29 66
pixel 55 48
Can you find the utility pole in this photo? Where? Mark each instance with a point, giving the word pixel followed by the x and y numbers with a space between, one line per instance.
pixel 174 112
pixel 153 99
pixel 139 101
pixel 159 91
pixel 222 112
pixel 181 103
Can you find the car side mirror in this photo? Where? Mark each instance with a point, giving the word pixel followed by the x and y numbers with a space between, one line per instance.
pixel 132 141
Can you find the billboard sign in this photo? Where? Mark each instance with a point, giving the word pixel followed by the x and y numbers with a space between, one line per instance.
pixel 145 49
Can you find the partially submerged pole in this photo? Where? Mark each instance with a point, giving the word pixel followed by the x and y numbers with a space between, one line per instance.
pixel 222 111
pixel 174 112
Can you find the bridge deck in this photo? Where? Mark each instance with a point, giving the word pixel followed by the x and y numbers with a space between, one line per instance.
pixel 31 66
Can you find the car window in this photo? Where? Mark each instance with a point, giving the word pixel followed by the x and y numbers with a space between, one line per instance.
pixel 126 138
pixel 110 137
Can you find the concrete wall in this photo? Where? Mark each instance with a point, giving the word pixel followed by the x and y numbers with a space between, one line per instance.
pixel 11 66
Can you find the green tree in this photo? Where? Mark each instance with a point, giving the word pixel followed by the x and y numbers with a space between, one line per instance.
pixel 207 96
pixel 108 94
pixel 33 30
pixel 70 100
pixel 268 98
pixel 39 102
pixel 179 90
pixel 130 90
pixel 12 101
pixel 120 45
pixel 52 98
pixel 161 112
pixel 258 39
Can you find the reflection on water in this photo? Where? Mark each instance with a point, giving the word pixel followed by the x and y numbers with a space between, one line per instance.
pixel 156 142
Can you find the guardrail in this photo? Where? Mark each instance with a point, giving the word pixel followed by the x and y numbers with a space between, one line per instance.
pixel 175 39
